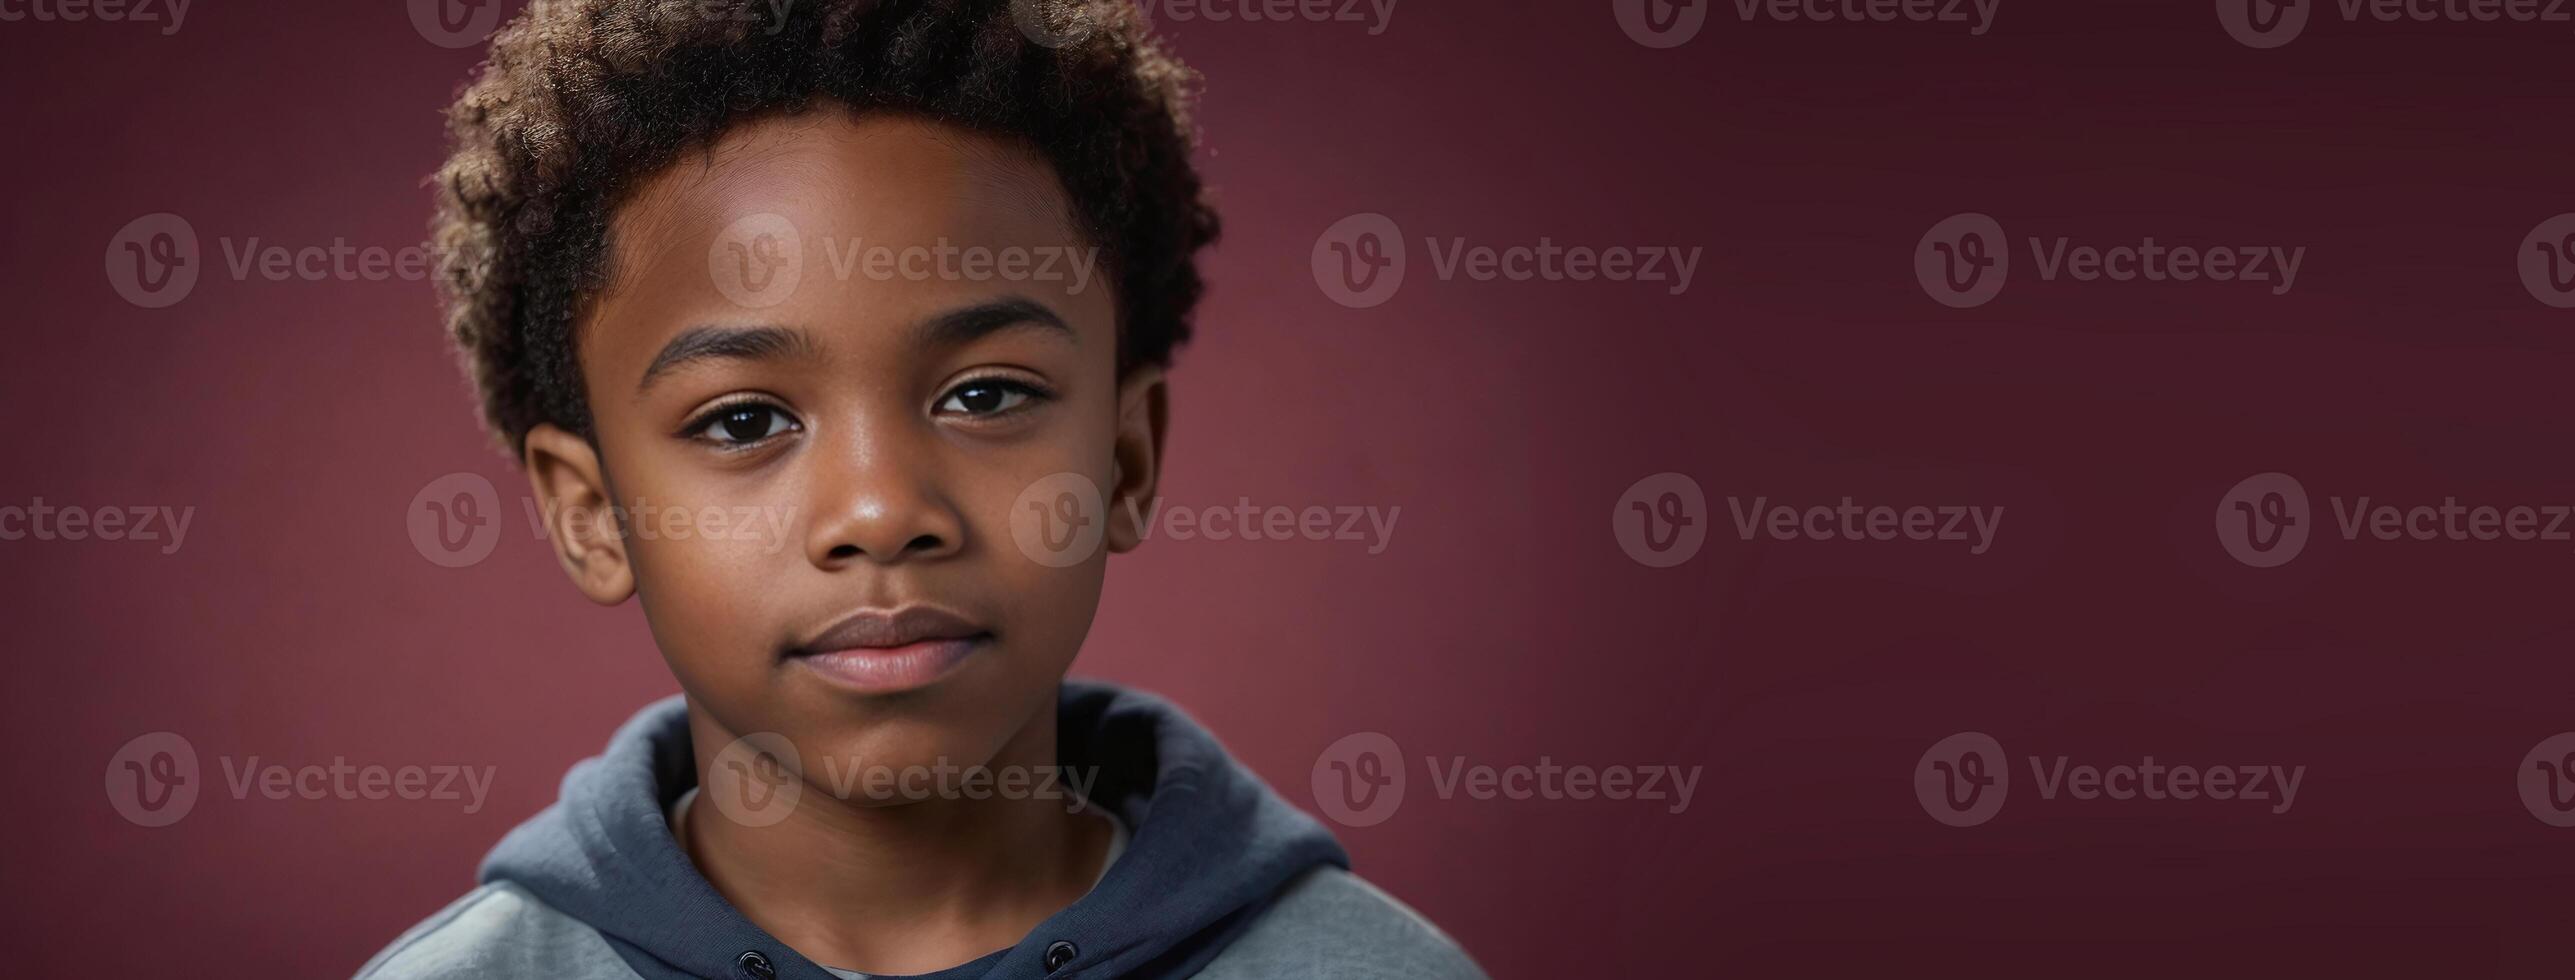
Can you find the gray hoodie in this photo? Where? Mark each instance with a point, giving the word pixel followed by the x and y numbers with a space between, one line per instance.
pixel 1219 879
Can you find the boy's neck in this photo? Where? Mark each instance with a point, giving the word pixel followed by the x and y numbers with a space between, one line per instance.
pixel 906 888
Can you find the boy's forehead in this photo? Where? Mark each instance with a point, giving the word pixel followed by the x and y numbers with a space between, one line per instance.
pixel 881 178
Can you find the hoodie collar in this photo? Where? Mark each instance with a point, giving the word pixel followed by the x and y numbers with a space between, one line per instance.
pixel 1210 846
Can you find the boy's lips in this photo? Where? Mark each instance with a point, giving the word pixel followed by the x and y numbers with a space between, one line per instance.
pixel 880 651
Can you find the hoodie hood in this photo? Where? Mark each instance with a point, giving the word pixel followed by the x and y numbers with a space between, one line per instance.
pixel 1209 847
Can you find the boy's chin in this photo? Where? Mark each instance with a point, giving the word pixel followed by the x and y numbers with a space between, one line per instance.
pixel 909 757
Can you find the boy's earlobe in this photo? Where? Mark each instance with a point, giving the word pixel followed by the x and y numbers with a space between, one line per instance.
pixel 580 516
pixel 1144 411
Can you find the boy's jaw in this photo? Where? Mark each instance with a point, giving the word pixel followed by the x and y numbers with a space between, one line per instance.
pixel 890 650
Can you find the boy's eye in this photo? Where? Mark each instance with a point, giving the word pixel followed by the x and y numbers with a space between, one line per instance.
pixel 985 398
pixel 742 425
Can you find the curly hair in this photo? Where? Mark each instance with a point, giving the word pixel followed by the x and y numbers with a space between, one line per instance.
pixel 582 99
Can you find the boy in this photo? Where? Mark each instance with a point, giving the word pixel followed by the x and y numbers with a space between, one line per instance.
pixel 703 256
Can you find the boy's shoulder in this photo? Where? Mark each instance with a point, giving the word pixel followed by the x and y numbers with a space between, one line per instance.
pixel 1327 924
pixel 498 930
pixel 1334 925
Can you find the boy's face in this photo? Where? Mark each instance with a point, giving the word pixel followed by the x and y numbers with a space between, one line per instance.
pixel 796 335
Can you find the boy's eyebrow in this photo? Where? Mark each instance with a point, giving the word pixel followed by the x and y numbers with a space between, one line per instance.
pixel 718 343
pixel 968 324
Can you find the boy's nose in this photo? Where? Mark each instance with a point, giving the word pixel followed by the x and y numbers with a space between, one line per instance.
pixel 870 507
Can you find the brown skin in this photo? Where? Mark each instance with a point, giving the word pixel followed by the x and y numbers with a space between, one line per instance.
pixel 895 457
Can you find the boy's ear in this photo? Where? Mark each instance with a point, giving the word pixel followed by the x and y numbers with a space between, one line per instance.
pixel 1144 410
pixel 579 517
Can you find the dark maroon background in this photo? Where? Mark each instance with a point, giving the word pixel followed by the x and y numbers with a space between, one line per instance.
pixel 1504 623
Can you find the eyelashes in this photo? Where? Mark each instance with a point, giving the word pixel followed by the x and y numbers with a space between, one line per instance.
pixel 742 423
pixel 991 397
pixel 751 421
